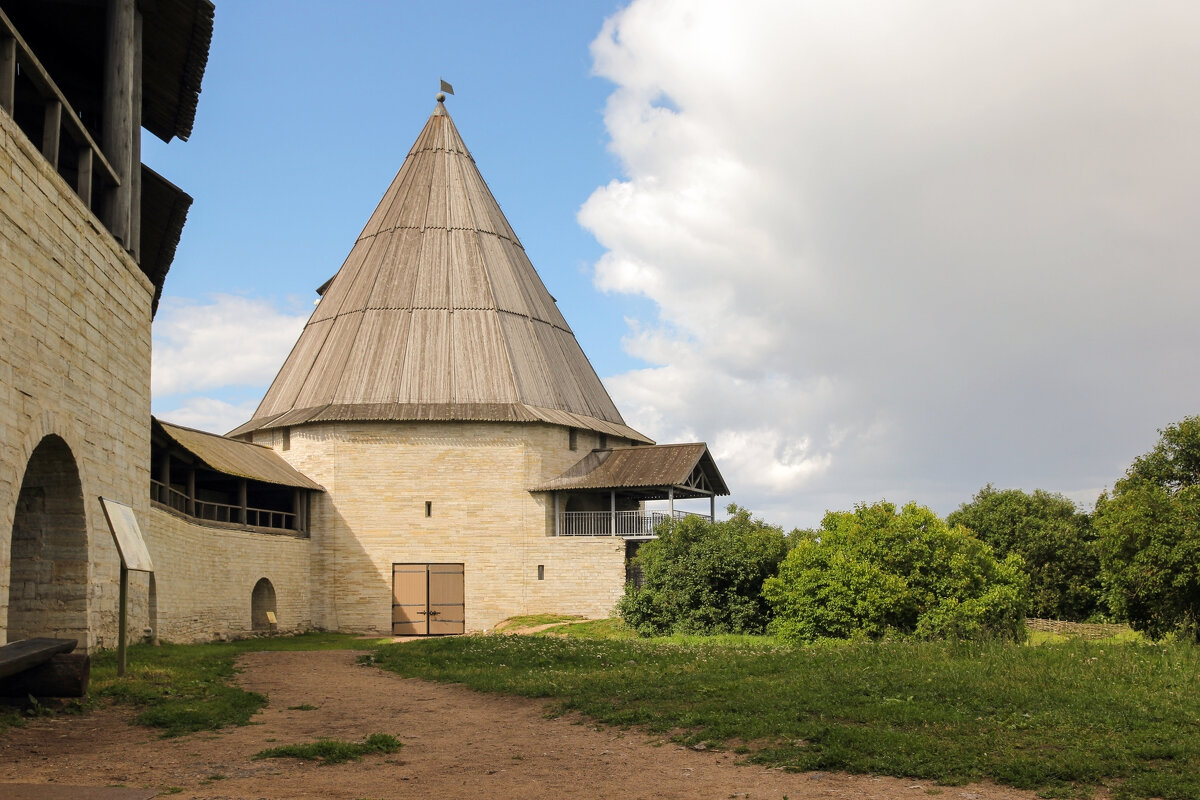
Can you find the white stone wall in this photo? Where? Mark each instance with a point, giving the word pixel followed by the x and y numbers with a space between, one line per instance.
pixel 74 361
pixel 204 576
pixel 378 477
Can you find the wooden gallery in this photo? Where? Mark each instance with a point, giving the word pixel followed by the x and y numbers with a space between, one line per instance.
pixel 435 455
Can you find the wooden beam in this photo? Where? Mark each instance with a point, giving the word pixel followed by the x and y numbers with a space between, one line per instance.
pixel 63 675
pixel 84 187
pixel 24 654
pixel 117 129
pixel 51 132
pixel 135 186
pixel 8 73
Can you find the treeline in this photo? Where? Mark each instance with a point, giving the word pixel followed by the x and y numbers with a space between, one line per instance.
pixel 881 570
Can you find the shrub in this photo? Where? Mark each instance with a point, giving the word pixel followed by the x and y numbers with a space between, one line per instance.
pixel 1149 536
pixel 704 577
pixel 1054 539
pixel 871 571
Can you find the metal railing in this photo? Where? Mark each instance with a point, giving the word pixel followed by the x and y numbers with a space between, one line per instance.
pixel 220 512
pixel 620 523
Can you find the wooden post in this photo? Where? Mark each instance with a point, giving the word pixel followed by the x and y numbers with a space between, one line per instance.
pixel 191 490
pixel 296 522
pixel 613 503
pixel 84 187
pixel 671 502
pixel 245 520
pixel 117 131
pixel 122 620
pixel 164 473
pixel 712 508
pixel 135 187
pixel 51 132
pixel 8 73
pixel 557 523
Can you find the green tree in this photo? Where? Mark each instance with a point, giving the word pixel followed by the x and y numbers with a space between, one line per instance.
pixel 704 577
pixel 1054 539
pixel 873 570
pixel 1149 536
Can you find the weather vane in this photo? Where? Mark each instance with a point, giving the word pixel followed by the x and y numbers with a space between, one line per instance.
pixel 446 89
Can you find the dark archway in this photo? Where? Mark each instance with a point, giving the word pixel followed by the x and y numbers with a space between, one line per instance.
pixel 48 578
pixel 262 600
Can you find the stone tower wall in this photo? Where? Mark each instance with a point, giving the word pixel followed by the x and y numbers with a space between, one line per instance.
pixel 74 363
pixel 378 477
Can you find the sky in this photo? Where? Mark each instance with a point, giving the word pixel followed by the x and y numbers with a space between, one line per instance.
pixel 865 250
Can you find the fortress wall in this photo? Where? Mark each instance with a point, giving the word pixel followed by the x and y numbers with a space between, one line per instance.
pixel 74 364
pixel 205 575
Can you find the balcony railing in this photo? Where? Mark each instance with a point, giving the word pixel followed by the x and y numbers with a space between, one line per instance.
pixel 221 512
pixel 619 523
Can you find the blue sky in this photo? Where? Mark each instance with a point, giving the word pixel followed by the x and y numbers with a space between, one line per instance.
pixel 865 250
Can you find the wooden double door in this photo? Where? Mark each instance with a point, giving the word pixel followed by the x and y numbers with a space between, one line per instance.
pixel 427 599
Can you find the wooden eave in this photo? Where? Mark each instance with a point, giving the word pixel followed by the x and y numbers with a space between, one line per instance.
pixel 682 470
pixel 237 458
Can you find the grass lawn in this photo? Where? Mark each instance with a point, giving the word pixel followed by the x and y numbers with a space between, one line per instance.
pixel 1061 717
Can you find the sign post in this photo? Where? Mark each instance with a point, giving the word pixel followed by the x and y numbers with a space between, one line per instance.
pixel 134 556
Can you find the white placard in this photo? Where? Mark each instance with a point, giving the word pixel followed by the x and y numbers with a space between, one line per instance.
pixel 128 536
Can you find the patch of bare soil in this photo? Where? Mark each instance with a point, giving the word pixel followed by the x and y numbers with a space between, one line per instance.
pixel 457 743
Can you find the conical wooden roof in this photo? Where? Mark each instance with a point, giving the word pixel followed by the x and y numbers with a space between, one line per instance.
pixel 438 314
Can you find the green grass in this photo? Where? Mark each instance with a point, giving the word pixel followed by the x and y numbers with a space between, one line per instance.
pixel 594 629
pixel 333 751
pixel 1060 718
pixel 185 688
pixel 533 620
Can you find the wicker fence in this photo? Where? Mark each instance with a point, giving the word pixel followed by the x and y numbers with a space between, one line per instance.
pixel 1083 630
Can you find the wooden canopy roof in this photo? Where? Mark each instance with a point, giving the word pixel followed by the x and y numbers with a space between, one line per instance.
pixel 648 472
pixel 438 314
pixel 237 458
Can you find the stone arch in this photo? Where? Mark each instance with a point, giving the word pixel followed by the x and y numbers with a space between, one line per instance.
pixel 48 556
pixel 262 600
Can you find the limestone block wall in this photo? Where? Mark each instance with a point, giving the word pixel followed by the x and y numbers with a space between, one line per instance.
pixel 475 478
pixel 74 367
pixel 204 577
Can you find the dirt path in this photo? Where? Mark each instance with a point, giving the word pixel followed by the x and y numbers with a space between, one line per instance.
pixel 457 744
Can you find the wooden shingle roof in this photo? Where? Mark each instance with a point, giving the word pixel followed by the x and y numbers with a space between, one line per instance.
pixel 238 458
pixel 644 468
pixel 438 314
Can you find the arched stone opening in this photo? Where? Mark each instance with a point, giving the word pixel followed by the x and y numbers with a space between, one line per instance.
pixel 262 600
pixel 48 577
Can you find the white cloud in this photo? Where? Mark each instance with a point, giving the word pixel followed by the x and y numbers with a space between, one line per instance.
pixel 904 249
pixel 208 414
pixel 225 341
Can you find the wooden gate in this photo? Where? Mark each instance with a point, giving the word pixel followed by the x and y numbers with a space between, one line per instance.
pixel 427 599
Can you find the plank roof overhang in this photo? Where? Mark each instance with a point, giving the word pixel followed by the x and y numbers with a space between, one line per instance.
pixel 651 473
pixel 237 458
pixel 438 314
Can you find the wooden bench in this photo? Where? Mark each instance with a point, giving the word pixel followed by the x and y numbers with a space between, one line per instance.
pixel 44 668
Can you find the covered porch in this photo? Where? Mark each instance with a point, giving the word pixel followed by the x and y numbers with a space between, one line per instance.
pixel 605 494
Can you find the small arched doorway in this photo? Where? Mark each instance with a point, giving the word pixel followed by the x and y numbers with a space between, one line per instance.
pixel 262 600
pixel 48 573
